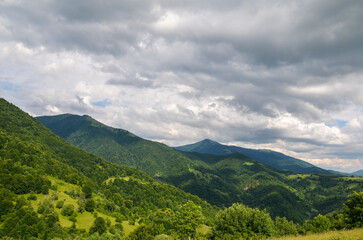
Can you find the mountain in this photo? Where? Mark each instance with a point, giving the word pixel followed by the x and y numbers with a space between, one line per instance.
pixel 227 179
pixel 221 180
pixel 268 157
pixel 117 145
pixel 358 173
pixel 238 178
pixel 52 189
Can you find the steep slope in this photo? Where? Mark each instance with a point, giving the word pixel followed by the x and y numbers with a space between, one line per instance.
pixel 219 179
pixel 237 178
pixel 38 170
pixel 227 179
pixel 268 157
pixel 117 145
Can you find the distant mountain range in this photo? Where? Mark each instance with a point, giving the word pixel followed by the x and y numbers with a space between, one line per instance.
pixel 358 173
pixel 220 179
pixel 268 157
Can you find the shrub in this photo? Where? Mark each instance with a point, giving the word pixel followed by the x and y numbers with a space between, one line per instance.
pixel 99 226
pixel 90 205
pixel 318 225
pixel 67 210
pixel 240 221
pixel 59 204
pixel 284 227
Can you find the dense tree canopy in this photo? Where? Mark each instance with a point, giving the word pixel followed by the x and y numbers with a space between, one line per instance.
pixel 353 209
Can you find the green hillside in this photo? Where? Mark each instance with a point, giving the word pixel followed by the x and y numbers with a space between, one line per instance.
pixel 358 173
pixel 219 179
pixel 226 179
pixel 268 157
pixel 117 145
pixel 49 188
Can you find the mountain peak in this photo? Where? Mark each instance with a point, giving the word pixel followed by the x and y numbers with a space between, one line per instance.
pixel 209 141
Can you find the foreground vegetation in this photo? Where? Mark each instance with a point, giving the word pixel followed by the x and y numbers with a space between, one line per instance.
pixel 355 234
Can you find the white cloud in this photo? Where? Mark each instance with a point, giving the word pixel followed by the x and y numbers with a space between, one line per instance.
pixel 279 75
pixel 345 165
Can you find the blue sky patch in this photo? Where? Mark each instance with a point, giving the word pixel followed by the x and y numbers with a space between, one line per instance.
pixel 337 123
pixel 341 123
pixel 8 86
pixel 102 104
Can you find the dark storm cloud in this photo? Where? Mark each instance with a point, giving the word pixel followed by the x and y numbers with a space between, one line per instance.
pixel 250 71
pixel 97 27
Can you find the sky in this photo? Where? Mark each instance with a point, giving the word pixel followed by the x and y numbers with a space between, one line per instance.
pixel 285 75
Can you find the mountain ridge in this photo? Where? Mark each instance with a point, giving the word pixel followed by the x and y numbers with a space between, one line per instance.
pixel 358 173
pixel 37 167
pixel 269 157
pixel 117 145
pixel 221 180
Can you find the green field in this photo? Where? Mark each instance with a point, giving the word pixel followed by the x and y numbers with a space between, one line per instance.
pixel 84 220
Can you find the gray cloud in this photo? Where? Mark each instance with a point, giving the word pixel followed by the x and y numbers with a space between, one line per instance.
pixel 269 74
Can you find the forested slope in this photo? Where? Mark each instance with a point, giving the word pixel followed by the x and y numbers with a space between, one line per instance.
pixel 117 145
pixel 219 179
pixel 39 170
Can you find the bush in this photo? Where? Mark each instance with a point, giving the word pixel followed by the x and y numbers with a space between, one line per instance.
pixel 146 232
pixel 32 197
pixel 67 210
pixel 59 204
pixel 99 226
pixel 90 205
pixel 240 221
pixel 284 227
pixel 319 224
pixel 46 207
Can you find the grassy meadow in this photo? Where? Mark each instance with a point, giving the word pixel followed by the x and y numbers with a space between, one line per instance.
pixel 355 234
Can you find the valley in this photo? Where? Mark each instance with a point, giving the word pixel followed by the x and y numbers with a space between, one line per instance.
pixel 131 188
pixel 220 174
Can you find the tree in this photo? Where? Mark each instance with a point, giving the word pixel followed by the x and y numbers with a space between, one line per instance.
pixel 239 221
pixel 99 225
pixel 67 210
pixel 146 232
pixel 353 210
pixel 188 219
pixel 46 207
pixel 318 225
pixel 284 227
pixel 90 205
pixel 87 190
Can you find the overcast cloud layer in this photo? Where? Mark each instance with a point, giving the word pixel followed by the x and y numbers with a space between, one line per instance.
pixel 284 75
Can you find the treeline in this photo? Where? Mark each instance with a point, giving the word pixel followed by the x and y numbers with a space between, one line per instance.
pixel 235 222
pixel 241 222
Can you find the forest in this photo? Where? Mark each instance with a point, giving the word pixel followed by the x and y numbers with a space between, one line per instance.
pixel 50 189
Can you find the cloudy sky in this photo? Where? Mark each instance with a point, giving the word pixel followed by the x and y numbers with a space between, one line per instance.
pixel 285 75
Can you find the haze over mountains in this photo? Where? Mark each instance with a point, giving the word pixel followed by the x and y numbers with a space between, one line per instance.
pixel 219 178
pixel 268 157
pixel 358 173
